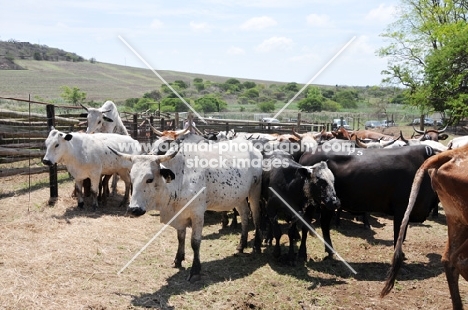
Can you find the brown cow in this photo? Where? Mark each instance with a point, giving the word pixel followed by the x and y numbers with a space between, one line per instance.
pixel 372 135
pixel 432 134
pixel 448 171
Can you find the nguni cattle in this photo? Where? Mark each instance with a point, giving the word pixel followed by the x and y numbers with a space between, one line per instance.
pixel 449 176
pixel 221 175
pixel 457 142
pixel 304 188
pixel 432 134
pixel 88 156
pixel 376 180
pixel 105 119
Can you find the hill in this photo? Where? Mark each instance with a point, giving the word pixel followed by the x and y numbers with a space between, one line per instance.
pixel 100 81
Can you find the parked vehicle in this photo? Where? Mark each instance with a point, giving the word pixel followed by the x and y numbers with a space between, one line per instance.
pixel 387 123
pixel 427 122
pixel 337 123
pixel 372 124
pixel 271 120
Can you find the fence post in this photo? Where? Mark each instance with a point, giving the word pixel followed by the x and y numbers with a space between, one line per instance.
pixel 299 122
pixel 151 131
pixel 53 184
pixel 135 126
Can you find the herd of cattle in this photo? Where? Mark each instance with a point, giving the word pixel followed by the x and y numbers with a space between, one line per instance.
pixel 267 177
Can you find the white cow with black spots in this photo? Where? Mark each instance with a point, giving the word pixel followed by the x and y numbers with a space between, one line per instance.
pixel 225 175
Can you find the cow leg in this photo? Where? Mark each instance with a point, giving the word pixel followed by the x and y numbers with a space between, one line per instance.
pixel 292 233
pixel 115 179
pixel 365 220
pixel 94 190
pixel 302 254
pixel 197 226
pixel 128 185
pixel 224 219
pixel 180 256
pixel 452 275
pixel 244 214
pixel 234 223
pixel 326 217
pixel 79 193
pixel 104 189
pixel 338 218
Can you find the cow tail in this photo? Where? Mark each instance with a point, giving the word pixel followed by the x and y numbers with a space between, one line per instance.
pixel 397 261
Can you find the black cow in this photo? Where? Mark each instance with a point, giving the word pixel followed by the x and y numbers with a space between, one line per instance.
pixel 376 180
pixel 302 187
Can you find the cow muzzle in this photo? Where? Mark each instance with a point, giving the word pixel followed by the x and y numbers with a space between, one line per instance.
pixel 47 162
pixel 136 211
pixel 333 203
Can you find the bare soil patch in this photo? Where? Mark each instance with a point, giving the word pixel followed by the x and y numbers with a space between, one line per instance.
pixel 58 257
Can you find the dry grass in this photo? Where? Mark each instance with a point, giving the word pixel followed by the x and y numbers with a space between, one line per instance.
pixel 62 258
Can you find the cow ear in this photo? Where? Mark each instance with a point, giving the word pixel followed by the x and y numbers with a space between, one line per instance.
pixel 107 119
pixel 167 174
pixel 68 137
pixel 443 136
pixel 84 115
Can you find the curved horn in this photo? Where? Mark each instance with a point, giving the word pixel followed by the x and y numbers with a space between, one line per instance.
pixel 360 143
pixel 84 107
pixel 442 130
pixel 418 131
pixel 166 157
pixel 403 138
pixel 157 132
pixel 387 143
pixel 296 134
pixel 123 155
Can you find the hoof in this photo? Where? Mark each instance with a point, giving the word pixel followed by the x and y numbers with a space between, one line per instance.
pixel 194 278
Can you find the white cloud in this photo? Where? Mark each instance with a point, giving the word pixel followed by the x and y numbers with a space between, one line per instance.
pixel 383 14
pixel 274 43
pixel 235 51
pixel 156 24
pixel 317 20
pixel 200 27
pixel 257 23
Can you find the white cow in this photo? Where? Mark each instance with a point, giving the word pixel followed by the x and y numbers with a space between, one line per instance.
pixel 230 175
pixel 458 142
pixel 88 156
pixel 105 119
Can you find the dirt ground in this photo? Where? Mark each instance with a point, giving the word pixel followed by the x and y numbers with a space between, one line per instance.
pixel 58 257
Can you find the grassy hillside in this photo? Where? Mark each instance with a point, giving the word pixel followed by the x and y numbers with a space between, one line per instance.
pixel 100 81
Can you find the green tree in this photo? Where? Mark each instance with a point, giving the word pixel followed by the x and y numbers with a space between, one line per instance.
pixel 155 95
pixel 251 93
pixel 313 102
pixel 447 73
pixel 249 84
pixel 267 106
pixel 73 95
pixel 210 103
pixel 292 87
pixel 347 98
pixel 421 30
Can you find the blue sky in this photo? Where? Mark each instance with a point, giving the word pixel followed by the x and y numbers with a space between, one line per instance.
pixel 287 41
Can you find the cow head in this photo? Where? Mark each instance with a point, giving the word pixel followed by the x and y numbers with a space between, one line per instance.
pixel 96 119
pixel 320 186
pixel 56 146
pixel 431 134
pixel 149 179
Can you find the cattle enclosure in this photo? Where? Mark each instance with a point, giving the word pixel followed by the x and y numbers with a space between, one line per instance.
pixel 58 257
